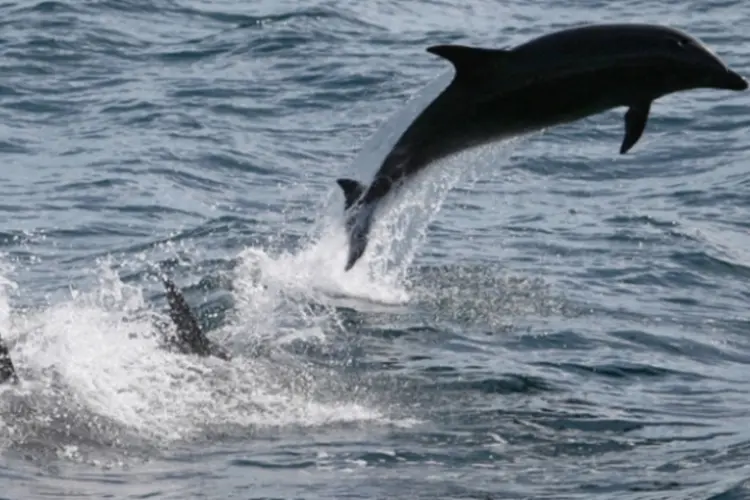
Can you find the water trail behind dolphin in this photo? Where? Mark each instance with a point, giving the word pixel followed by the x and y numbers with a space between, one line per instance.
pixel 399 223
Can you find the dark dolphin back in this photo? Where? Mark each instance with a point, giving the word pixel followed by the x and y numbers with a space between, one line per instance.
pixel 593 40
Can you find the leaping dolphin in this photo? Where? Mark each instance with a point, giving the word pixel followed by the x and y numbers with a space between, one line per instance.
pixel 551 80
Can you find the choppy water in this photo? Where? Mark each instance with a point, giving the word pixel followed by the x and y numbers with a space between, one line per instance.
pixel 544 319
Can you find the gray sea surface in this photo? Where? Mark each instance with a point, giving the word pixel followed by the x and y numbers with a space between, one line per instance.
pixel 538 318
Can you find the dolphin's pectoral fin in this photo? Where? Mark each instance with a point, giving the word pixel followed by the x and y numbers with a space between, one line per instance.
pixel 470 61
pixel 7 370
pixel 352 191
pixel 635 123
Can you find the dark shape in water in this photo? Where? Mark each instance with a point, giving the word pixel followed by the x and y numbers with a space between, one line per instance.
pixel 191 339
pixel 7 370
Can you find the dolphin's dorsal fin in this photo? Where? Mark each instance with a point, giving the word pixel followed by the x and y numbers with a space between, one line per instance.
pixel 635 123
pixel 469 61
pixel 352 191
pixel 190 336
pixel 191 339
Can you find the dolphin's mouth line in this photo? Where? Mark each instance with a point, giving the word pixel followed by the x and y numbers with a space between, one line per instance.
pixel 733 81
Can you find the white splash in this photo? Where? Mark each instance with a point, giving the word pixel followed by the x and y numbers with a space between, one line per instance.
pixel 98 355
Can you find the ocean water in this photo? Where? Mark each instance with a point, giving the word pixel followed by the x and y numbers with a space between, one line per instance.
pixel 539 318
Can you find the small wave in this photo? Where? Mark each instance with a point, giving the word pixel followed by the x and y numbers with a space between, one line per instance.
pixel 326 16
pixel 510 384
pixel 738 491
pixel 624 371
pixel 48 7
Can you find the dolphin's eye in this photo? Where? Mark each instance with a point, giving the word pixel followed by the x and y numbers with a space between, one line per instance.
pixel 682 42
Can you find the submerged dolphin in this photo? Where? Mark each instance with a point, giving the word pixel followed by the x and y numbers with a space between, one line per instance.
pixel 554 79
pixel 190 337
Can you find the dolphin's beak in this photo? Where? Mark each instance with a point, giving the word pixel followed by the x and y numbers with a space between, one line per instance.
pixel 729 80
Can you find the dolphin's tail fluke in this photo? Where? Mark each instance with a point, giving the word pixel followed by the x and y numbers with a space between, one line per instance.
pixel 191 339
pixel 358 222
pixel 352 191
